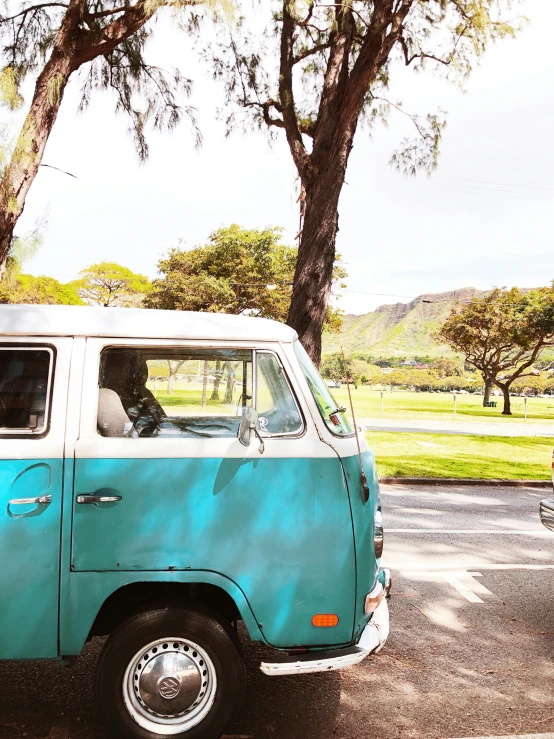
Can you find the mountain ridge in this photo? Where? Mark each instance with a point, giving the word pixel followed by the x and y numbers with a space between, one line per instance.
pixel 399 329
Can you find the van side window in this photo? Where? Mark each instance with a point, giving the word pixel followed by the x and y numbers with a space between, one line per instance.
pixel 25 379
pixel 275 403
pixel 166 393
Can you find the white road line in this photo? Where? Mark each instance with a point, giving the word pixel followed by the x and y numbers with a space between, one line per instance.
pixel 463 581
pixel 462 589
pixel 510 532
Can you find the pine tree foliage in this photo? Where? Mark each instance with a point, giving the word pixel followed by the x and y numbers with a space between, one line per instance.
pixel 320 68
pixel 447 37
pixel 105 42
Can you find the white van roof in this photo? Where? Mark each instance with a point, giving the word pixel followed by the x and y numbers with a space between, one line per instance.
pixel 137 323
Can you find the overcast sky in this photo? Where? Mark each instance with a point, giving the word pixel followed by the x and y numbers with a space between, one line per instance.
pixel 485 218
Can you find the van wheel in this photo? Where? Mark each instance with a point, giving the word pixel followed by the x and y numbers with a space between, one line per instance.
pixel 169 672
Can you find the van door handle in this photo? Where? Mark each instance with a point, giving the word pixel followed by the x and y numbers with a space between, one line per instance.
pixel 41 500
pixel 98 498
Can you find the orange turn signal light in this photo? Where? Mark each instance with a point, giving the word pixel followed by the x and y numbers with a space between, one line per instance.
pixel 325 620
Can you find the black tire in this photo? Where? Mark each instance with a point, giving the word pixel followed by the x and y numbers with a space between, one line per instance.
pixel 202 627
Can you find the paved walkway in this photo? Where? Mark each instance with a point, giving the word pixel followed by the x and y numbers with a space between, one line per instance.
pixel 457 427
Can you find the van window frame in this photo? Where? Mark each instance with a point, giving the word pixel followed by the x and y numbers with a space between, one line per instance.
pixel 26 433
pixel 284 434
pixel 225 344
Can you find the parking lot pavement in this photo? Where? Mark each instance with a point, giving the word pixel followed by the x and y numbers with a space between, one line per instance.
pixel 470 651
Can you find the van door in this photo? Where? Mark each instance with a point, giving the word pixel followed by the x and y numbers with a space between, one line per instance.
pixel 162 483
pixel 34 378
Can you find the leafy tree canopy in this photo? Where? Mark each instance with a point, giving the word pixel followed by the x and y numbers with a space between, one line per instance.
pixel 238 271
pixel 38 290
pixel 502 334
pixel 109 284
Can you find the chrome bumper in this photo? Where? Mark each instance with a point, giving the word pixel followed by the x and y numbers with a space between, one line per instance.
pixel 372 639
pixel 546 512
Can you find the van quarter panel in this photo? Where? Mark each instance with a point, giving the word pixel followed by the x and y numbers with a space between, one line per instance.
pixel 88 591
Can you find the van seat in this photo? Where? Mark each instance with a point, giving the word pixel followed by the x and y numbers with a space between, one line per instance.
pixel 111 414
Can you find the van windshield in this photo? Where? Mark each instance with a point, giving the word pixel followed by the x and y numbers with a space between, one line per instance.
pixel 335 420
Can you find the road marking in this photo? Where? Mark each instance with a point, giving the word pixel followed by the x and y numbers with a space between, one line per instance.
pixel 510 532
pixel 463 581
pixel 462 589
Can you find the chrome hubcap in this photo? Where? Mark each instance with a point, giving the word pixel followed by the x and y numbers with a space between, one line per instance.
pixel 169 686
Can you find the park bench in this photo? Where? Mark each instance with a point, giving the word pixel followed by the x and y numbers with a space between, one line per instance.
pixel 490 404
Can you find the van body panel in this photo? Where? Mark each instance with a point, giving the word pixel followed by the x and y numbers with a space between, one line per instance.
pixel 30 533
pixel 279 528
pixel 363 516
pixel 29 556
pixel 88 591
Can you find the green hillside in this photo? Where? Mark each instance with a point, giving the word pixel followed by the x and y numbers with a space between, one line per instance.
pixel 399 330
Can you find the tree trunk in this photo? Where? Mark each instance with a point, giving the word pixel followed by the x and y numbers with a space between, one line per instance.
pixel 316 257
pixel 507 410
pixel 218 376
pixel 488 389
pixel 29 149
pixel 174 367
pixel 231 367
pixel 170 383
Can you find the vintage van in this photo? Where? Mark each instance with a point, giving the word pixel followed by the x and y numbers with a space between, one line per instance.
pixel 164 475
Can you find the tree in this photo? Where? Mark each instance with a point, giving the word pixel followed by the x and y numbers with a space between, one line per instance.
pixel 444 367
pixel 502 334
pixel 238 271
pixel 109 284
pixel 335 64
pixel 340 369
pixel 37 290
pixel 106 39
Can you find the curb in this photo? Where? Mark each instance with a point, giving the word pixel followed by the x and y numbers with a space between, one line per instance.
pixel 465 481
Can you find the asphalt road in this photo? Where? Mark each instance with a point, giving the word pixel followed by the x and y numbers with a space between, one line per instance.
pixel 470 651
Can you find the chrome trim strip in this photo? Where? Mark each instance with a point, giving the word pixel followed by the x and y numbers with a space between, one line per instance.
pixel 372 640
pixel 546 512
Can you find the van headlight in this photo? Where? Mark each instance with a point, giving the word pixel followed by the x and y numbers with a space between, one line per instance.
pixel 378 535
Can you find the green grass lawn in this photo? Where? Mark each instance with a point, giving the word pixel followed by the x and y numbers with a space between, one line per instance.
pixel 444 455
pixel 440 406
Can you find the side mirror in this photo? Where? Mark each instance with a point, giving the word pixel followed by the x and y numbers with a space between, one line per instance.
pixel 249 423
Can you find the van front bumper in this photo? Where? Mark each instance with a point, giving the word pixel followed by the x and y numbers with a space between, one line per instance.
pixel 372 639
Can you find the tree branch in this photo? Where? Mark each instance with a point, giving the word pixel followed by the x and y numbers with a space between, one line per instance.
pixel 413 118
pixel 309 52
pixel 409 59
pixel 32 8
pixel 134 17
pixel 300 156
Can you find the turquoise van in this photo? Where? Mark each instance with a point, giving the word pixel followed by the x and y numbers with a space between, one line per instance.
pixel 163 476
